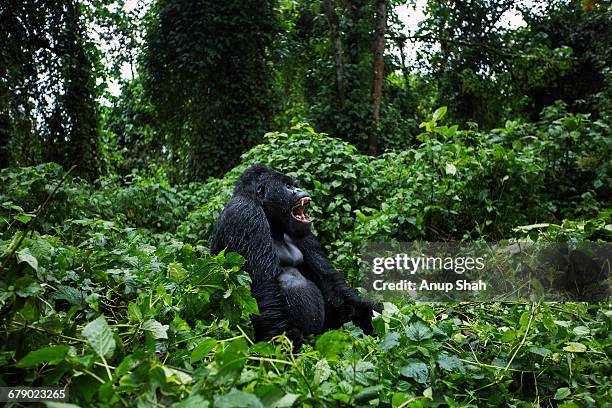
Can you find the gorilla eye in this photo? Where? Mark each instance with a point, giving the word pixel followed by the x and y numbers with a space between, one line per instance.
pixel 261 191
pixel 289 186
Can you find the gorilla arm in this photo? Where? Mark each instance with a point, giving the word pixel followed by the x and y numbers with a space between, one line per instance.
pixel 342 303
pixel 243 228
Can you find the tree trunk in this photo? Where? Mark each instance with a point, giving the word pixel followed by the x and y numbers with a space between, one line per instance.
pixel 379 70
pixel 334 30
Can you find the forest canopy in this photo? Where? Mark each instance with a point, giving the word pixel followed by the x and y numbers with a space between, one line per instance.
pixel 193 84
pixel 124 125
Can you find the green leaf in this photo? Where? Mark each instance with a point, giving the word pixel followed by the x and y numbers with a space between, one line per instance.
pixel 69 294
pixel 238 399
pixel 42 250
pixel 439 113
pixel 322 371
pixel 231 360
pixel 156 329
pixel 133 312
pixel 368 394
pixel 450 168
pixel 193 401
pixel 574 347
pixel 25 256
pixel 390 340
pixel 176 272
pixel 100 337
pixel 418 331
pixel 58 404
pixel 540 351
pixel 449 362
pixel 24 218
pixel 27 287
pixel 562 393
pixel 581 330
pixel 331 344
pixel 202 350
pixel 286 401
pixel 416 370
pixel 50 355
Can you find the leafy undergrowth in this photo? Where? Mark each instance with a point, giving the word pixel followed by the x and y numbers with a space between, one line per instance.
pixel 126 322
pixel 110 290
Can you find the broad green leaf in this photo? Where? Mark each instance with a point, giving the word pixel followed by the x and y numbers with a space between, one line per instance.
pixel 100 337
pixel 177 376
pixel 156 329
pixel 27 287
pixel 193 401
pixel 238 399
pixel 540 351
pixel 25 256
pixel 574 347
pixel 133 312
pixel 390 308
pixel 263 349
pixel 42 250
pixel 450 168
pixel 449 362
pixel 49 355
pixel 322 371
pixel 562 393
pixel 69 294
pixel 361 373
pixel 418 331
pixel 581 330
pixel 176 272
pixel 24 218
pixel 58 404
pixel 231 360
pixel 439 113
pixel 202 350
pixel 286 401
pixel 390 340
pixel 416 370
pixel 332 344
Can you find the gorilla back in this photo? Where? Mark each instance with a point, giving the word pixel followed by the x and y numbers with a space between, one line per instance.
pixel 296 288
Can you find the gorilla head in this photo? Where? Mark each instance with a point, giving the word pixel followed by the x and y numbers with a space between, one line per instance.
pixel 284 204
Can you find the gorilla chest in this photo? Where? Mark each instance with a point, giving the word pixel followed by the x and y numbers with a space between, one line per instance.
pixel 288 253
pixel 304 299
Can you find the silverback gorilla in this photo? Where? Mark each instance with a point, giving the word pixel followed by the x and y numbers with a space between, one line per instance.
pixel 297 289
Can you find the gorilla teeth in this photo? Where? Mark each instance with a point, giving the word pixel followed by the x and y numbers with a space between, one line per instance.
pixel 298 210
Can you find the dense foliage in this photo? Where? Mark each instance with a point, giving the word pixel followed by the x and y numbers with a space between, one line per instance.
pixel 48 87
pixel 208 78
pixel 109 288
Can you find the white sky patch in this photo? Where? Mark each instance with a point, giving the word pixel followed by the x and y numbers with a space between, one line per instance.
pixel 127 71
pixel 412 16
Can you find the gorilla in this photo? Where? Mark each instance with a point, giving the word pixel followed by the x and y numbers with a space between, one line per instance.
pixel 297 289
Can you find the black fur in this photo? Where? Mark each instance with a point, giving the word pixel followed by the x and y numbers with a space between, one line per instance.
pixel 256 223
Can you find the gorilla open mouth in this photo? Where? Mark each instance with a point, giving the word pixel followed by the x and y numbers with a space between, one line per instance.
pixel 298 211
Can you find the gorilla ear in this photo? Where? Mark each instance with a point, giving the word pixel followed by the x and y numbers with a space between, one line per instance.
pixel 261 191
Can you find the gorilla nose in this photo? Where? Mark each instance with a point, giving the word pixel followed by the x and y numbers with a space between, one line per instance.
pixel 299 194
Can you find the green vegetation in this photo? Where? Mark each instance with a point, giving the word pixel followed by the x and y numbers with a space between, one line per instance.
pixel 111 288
pixel 463 128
